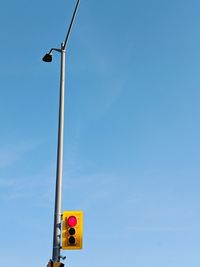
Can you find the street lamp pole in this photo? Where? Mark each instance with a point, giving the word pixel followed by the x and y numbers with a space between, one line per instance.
pixel 59 172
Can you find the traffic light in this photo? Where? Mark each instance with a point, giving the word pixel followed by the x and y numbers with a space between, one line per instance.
pixel 72 229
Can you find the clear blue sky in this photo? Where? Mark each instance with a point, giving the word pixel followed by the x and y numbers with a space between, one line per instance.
pixel 132 131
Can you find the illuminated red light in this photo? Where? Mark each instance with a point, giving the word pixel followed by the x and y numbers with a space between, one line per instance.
pixel 72 221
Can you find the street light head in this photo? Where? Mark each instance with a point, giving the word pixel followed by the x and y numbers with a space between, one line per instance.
pixel 47 57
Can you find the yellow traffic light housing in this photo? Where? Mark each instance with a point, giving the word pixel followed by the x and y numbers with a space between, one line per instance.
pixel 72 230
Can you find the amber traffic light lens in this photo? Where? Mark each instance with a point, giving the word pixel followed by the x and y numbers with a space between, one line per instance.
pixel 72 231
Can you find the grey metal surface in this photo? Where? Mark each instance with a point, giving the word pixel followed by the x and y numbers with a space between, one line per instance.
pixel 71 23
pixel 59 172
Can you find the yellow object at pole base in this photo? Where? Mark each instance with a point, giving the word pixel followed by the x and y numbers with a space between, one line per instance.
pixel 55 264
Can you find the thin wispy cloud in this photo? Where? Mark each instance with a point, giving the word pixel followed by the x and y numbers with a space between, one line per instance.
pixel 10 153
pixel 155 228
pixel 112 81
pixel 23 186
pixel 7 183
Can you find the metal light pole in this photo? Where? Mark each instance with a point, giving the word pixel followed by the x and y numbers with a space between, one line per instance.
pixel 59 173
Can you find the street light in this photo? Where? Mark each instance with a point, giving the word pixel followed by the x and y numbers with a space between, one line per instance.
pixel 47 58
pixel 59 172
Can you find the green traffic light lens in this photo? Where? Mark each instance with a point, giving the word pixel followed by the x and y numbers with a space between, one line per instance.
pixel 72 240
